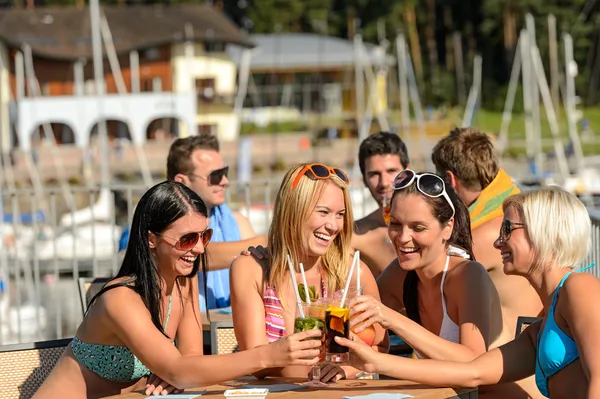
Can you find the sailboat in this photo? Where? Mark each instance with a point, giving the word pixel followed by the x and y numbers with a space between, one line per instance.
pixel 85 234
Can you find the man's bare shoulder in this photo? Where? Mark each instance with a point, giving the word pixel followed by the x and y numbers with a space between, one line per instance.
pixel 391 286
pixel 240 217
pixel 244 225
pixel 487 232
pixel 392 274
pixel 367 224
pixel 484 237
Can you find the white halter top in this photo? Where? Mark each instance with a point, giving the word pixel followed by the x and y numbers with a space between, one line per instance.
pixel 449 330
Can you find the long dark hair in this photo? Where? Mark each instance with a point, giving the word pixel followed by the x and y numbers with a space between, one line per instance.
pixel 158 208
pixel 461 237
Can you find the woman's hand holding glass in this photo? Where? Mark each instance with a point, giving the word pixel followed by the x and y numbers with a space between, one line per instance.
pixel 366 311
pixel 295 349
pixel 363 357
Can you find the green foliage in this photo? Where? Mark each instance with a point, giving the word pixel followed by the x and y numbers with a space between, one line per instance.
pixel 487 27
pixel 308 323
pixel 275 127
pixel 277 15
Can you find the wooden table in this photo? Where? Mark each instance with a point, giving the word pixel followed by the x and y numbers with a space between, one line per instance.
pixel 335 390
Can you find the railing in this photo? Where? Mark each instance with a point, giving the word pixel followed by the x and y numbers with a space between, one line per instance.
pixel 594 254
pixel 47 247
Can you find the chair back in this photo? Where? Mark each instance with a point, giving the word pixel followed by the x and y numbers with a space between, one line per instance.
pixel 222 338
pixel 24 367
pixel 523 322
pixel 88 287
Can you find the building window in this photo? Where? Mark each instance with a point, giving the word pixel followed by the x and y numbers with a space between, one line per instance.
pixel 205 90
pixel 151 54
pixel 146 85
pixel 151 84
pixel 214 47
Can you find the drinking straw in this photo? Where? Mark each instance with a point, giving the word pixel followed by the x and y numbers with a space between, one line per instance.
pixel 305 284
pixel 354 262
pixel 358 291
pixel 293 274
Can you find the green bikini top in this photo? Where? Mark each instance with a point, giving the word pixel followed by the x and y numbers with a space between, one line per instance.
pixel 112 362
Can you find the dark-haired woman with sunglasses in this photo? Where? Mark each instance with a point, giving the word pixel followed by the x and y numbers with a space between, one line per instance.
pixel 563 349
pixel 127 338
pixel 312 224
pixel 452 307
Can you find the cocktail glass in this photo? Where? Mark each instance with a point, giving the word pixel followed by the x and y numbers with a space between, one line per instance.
pixel 386 207
pixel 314 318
pixel 367 335
pixel 337 321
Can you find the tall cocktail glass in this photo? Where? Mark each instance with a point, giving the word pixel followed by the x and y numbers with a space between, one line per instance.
pixel 314 318
pixel 337 321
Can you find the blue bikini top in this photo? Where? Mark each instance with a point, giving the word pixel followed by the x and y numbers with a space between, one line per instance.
pixel 555 349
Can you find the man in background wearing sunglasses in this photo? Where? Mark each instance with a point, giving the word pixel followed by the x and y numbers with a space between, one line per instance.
pixel 381 157
pixel 196 162
pixel 467 159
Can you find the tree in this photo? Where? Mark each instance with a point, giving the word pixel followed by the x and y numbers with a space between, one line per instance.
pixel 487 27
pixel 271 15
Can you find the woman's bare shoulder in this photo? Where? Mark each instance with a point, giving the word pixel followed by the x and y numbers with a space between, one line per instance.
pixel 246 271
pixel 465 268
pixel 466 275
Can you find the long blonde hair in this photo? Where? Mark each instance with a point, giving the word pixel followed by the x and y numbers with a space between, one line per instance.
pixel 292 209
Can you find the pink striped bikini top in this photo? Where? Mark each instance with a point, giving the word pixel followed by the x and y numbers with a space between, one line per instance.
pixel 274 323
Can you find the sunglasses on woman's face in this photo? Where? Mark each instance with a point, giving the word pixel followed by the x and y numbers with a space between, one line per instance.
pixel 190 240
pixel 508 227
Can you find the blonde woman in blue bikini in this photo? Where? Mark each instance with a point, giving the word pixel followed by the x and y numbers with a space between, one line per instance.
pixel 544 236
pixel 129 331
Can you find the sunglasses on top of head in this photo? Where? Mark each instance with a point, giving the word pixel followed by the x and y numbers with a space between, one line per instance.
pixel 318 171
pixel 214 178
pixel 189 240
pixel 428 184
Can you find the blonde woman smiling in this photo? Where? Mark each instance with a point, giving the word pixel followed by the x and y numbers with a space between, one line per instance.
pixel 312 223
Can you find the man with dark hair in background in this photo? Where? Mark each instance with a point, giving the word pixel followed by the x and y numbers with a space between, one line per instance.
pixel 381 156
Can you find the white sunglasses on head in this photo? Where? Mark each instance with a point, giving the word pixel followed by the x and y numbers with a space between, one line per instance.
pixel 428 184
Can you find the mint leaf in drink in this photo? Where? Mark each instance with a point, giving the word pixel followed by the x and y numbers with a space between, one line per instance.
pixel 308 323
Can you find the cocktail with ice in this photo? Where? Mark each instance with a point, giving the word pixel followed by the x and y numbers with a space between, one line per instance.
pixel 337 321
pixel 312 317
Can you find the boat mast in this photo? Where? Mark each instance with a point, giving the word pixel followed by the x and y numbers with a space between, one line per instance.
pixel 99 80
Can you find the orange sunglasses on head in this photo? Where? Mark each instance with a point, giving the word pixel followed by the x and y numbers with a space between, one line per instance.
pixel 318 171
